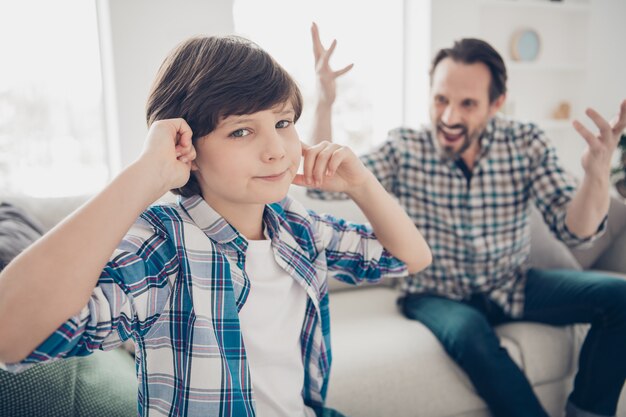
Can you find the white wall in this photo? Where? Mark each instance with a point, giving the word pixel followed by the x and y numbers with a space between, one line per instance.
pixel 453 19
pixel 136 36
pixel 606 85
pixel 417 56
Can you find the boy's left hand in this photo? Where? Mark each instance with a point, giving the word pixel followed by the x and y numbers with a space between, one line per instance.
pixel 331 167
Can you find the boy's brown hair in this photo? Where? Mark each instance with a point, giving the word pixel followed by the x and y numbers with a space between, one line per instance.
pixel 206 79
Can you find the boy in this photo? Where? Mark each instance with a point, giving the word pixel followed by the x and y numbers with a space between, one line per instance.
pixel 224 292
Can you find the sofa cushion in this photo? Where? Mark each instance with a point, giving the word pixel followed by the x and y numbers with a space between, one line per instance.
pixel 614 258
pixel 47 211
pixel 546 353
pixel 376 350
pixel 102 384
pixel 17 231
pixel 405 350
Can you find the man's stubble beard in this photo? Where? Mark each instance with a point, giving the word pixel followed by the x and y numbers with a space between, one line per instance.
pixel 468 139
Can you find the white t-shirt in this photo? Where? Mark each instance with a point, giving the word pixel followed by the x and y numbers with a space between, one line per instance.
pixel 271 322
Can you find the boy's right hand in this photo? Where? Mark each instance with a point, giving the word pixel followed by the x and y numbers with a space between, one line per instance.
pixel 169 152
pixel 331 167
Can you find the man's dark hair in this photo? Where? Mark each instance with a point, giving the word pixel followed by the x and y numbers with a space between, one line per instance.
pixel 471 51
pixel 206 79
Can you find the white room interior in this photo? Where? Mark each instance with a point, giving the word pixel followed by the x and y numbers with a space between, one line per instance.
pixel 77 73
pixel 591 75
pixel 580 60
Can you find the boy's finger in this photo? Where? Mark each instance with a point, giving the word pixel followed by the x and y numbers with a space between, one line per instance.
pixel 308 163
pixel 299 180
pixel 336 160
pixel 188 153
pixel 192 154
pixel 183 130
pixel 321 162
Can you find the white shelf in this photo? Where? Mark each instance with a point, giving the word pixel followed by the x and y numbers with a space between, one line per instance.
pixel 553 124
pixel 543 66
pixel 545 5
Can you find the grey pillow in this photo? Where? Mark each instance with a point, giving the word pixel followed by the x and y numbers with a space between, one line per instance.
pixel 102 384
pixel 17 231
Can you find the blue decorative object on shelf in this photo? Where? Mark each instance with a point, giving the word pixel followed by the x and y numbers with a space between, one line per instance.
pixel 525 45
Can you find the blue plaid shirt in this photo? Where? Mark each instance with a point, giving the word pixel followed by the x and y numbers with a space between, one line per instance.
pixel 176 284
pixel 476 222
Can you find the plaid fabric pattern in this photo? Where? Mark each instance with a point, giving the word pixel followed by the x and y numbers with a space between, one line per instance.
pixel 176 284
pixel 478 231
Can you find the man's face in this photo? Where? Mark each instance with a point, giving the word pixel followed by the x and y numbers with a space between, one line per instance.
pixel 459 105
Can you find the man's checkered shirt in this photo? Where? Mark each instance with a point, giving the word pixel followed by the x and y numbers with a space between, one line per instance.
pixel 477 227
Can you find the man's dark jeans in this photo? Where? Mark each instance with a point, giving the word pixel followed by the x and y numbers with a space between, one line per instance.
pixel 556 297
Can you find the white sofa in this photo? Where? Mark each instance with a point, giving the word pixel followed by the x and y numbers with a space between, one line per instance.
pixel 386 365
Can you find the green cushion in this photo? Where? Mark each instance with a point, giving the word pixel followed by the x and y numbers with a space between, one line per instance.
pixel 102 384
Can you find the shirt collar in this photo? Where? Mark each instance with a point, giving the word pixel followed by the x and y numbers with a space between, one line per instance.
pixel 208 220
pixel 217 228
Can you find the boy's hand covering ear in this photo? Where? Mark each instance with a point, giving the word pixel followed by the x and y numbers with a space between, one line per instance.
pixel 169 148
pixel 331 167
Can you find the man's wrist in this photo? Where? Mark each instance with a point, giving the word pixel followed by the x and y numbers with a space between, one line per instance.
pixel 324 107
pixel 597 180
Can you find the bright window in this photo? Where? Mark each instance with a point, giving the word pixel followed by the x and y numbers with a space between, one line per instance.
pixel 370 36
pixel 52 140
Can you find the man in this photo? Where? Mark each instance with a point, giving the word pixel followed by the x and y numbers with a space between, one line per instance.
pixel 467 181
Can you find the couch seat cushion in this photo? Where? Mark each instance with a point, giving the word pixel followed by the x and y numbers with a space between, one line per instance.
pixel 366 322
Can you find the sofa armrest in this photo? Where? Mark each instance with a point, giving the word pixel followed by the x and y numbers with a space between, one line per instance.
pixel 616 225
pixel 614 257
pixel 48 211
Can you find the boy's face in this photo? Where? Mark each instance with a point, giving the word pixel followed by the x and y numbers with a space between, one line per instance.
pixel 248 159
pixel 459 104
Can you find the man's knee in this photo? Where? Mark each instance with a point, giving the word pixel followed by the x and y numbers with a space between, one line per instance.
pixel 463 331
pixel 472 340
pixel 612 296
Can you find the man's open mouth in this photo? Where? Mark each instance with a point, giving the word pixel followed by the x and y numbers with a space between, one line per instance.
pixel 452 134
